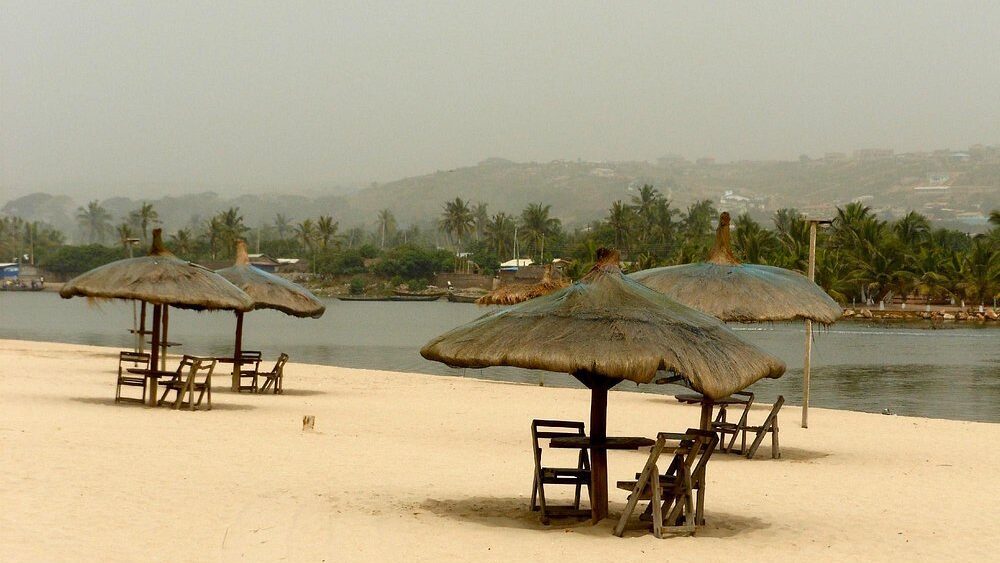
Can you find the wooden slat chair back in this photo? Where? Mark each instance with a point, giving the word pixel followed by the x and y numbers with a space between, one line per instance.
pixel 249 369
pixel 769 426
pixel 129 359
pixel 577 477
pixel 726 428
pixel 672 504
pixel 274 379
pixel 194 374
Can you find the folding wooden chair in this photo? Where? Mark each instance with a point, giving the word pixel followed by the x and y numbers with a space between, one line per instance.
pixel 672 504
pixel 137 360
pixel 577 477
pixel 770 425
pixel 249 369
pixel 274 378
pixel 193 374
pixel 725 428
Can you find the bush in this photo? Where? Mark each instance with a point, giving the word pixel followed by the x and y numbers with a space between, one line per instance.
pixel 78 259
pixel 357 286
pixel 347 262
pixel 414 263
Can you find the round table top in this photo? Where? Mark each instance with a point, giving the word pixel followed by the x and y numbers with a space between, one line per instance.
pixel 699 398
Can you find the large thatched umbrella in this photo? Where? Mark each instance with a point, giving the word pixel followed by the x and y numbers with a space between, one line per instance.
pixel 163 280
pixel 605 329
pixel 268 291
pixel 725 288
pixel 514 293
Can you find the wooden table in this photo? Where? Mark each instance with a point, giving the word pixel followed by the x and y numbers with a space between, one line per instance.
pixel 707 404
pixel 153 376
pixel 599 480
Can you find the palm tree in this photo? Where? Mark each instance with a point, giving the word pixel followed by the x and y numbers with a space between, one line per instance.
pixel 620 219
pixel 95 221
pixel 215 232
pixel 981 271
pixel 995 217
pixel 143 217
pixel 751 241
pixel 386 225
pixel 232 227
pixel 457 220
pixel 182 241
pixel 326 229
pixel 124 234
pixel 480 215
pixel 498 231
pixel 912 230
pixel 536 225
pixel 306 233
pixel 282 226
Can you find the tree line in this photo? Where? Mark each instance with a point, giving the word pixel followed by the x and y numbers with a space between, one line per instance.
pixel 860 257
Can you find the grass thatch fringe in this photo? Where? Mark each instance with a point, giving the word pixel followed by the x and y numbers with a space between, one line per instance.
pixel 609 325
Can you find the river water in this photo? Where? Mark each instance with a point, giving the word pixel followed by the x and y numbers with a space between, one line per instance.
pixel 911 369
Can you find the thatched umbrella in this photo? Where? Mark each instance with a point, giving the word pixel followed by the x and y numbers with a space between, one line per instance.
pixel 514 293
pixel 163 280
pixel 605 329
pixel 725 288
pixel 268 291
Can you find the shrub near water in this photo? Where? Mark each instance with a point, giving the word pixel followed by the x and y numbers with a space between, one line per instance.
pixel 71 260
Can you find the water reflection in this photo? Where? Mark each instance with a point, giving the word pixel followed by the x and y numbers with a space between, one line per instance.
pixel 909 369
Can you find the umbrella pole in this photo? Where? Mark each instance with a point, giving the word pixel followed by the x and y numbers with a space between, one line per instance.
pixel 142 328
pixel 237 351
pixel 809 329
pixel 163 338
pixel 706 414
pixel 154 354
pixel 599 387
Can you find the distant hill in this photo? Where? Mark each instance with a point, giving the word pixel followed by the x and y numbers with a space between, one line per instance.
pixel 967 188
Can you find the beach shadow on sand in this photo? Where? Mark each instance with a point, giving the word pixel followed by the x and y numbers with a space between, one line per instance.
pixel 290 392
pixel 130 404
pixel 513 512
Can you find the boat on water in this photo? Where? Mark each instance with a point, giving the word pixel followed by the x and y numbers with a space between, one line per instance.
pixel 431 297
pixel 417 297
pixel 458 297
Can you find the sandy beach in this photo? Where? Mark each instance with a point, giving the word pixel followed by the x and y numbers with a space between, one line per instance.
pixel 416 467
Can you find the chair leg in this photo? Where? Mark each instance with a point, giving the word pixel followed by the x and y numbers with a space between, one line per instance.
pixel 654 501
pixel 775 449
pixel 534 493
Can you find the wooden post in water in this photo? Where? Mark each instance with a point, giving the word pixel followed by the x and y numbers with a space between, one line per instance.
pixel 237 351
pixel 809 329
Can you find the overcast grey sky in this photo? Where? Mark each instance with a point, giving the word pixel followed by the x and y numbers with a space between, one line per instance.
pixel 252 94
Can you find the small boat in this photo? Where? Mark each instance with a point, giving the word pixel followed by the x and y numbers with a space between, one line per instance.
pixel 464 296
pixel 364 297
pixel 436 293
pixel 416 297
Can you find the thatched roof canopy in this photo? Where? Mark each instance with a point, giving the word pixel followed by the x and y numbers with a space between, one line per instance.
pixel 269 291
pixel 514 293
pixel 608 325
pixel 731 291
pixel 161 279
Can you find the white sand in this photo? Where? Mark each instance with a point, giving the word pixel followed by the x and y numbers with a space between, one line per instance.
pixel 415 467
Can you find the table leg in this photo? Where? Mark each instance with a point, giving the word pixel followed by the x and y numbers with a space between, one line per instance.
pixel 706 415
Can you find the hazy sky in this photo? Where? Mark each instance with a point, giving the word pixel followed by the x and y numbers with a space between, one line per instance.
pixel 250 94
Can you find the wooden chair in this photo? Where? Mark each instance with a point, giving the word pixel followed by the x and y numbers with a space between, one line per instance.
pixel 273 379
pixel 577 477
pixel 137 360
pixel 249 369
pixel 672 503
pixel 770 425
pixel 725 428
pixel 193 374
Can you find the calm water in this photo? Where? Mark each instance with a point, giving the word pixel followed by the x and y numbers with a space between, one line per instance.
pixel 911 369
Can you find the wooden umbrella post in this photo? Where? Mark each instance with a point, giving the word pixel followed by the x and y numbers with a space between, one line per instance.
pixel 809 329
pixel 154 350
pixel 599 387
pixel 237 351
pixel 142 328
pixel 163 338
pixel 706 414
